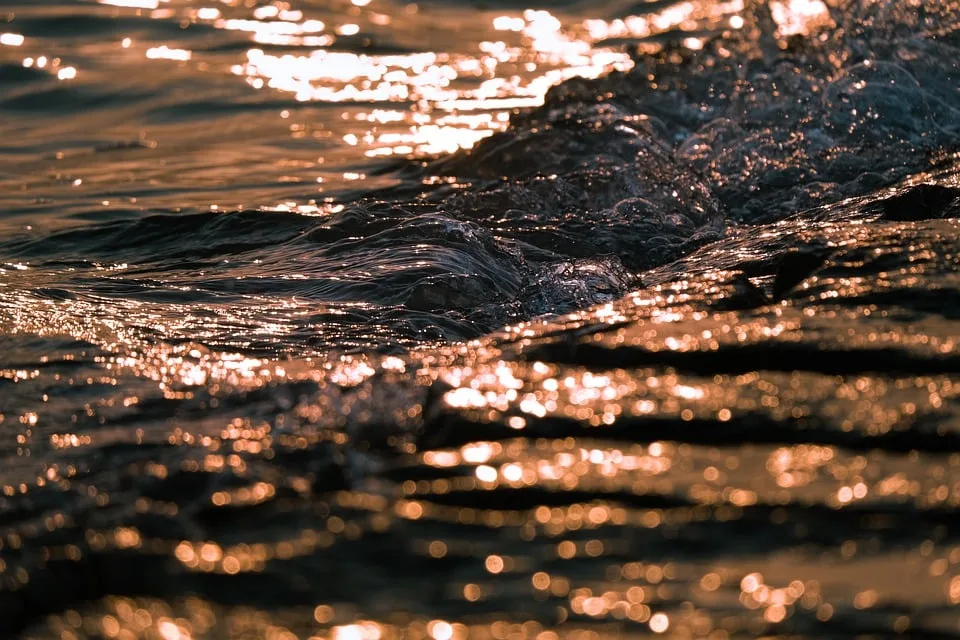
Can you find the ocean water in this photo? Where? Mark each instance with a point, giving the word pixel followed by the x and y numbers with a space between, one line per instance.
pixel 492 320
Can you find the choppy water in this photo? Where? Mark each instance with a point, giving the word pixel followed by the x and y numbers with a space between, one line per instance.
pixel 453 319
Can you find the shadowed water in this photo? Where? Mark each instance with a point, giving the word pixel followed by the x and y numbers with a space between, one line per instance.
pixel 374 320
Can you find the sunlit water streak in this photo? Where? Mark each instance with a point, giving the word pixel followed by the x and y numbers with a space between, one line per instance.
pixel 346 320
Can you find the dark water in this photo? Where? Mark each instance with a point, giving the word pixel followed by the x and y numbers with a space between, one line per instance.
pixel 377 320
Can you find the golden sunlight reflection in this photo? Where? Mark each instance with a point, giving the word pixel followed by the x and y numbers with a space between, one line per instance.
pixel 445 101
pixel 164 52
pixel 11 39
pixel 685 16
pixel 134 4
pixel 484 500
pixel 388 90
pixel 799 16
pixel 51 64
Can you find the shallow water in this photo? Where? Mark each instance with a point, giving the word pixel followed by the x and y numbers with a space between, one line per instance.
pixel 367 320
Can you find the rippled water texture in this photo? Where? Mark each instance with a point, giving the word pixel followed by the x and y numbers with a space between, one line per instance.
pixel 367 320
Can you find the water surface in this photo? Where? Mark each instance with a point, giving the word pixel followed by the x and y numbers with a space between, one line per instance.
pixel 454 319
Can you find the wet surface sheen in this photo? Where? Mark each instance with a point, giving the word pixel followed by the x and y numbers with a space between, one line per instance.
pixel 374 320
